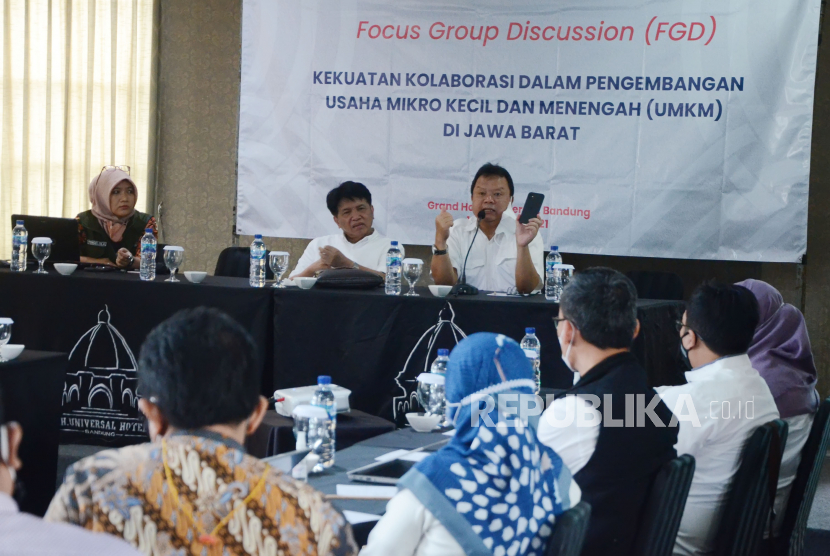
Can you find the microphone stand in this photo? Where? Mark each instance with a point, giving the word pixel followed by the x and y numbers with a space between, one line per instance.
pixel 462 287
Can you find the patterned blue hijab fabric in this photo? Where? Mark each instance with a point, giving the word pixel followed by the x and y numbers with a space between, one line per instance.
pixel 506 487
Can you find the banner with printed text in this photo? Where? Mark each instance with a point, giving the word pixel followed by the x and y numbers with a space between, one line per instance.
pixel 661 129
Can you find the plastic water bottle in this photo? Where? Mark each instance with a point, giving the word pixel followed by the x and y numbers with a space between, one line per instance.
pixel 20 241
pixel 552 287
pixel 147 263
pixel 257 275
pixel 393 270
pixel 324 398
pixel 533 350
pixel 439 366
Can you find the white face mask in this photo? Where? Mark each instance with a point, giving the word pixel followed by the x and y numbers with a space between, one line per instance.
pixel 5 452
pixel 565 354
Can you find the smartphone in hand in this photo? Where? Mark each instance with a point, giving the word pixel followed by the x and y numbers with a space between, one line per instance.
pixel 533 204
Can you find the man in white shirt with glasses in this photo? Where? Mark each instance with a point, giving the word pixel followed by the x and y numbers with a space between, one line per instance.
pixel 729 397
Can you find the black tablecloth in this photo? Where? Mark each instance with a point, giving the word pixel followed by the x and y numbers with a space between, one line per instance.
pixel 363 338
pixel 276 433
pixel 54 312
pixel 32 386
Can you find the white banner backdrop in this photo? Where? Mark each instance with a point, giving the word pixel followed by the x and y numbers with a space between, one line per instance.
pixel 670 129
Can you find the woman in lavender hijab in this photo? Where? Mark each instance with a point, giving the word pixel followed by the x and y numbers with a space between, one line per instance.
pixel 781 353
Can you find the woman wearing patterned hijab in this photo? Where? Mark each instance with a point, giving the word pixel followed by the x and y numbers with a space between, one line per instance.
pixel 494 489
pixel 781 354
pixel 110 233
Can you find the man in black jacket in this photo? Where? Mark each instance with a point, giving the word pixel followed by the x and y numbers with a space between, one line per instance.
pixel 611 428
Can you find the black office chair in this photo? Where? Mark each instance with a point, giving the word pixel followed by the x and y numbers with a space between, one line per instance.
pixel 657 285
pixel 790 541
pixel 664 507
pixel 569 531
pixel 236 262
pixel 748 505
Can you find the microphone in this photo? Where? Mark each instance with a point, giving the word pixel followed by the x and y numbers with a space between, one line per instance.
pixel 461 287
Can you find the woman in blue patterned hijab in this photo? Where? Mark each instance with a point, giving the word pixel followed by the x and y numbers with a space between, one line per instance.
pixel 493 488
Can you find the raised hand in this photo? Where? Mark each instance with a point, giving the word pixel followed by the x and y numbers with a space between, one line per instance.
pixel 526 232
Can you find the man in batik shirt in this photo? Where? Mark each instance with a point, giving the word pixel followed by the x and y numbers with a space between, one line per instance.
pixel 194 490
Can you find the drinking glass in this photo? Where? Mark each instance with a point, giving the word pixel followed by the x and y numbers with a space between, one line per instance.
pixel 173 258
pixel 41 249
pixel 5 334
pixel 412 271
pixel 431 393
pixel 278 261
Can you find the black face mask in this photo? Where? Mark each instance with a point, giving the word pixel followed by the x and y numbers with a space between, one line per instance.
pixel 19 492
pixel 684 353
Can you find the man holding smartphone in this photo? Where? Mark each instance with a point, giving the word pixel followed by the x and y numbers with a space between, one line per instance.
pixel 505 254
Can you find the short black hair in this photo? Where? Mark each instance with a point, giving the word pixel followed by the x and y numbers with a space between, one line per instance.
pixel 350 190
pixel 200 368
pixel 602 304
pixel 492 170
pixel 724 316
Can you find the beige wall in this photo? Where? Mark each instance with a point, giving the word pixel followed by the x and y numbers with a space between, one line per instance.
pixel 198 122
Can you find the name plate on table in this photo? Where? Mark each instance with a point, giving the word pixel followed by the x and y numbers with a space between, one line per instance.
pixel 100 394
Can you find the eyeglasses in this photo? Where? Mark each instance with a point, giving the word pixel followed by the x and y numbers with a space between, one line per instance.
pixel 557 320
pixel 123 168
pixel 680 325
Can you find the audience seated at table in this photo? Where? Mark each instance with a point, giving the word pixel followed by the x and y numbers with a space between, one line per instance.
pixel 781 353
pixel 715 334
pixel 110 233
pixel 506 254
pixel 613 464
pixel 22 534
pixel 193 489
pixel 493 488
pixel 357 245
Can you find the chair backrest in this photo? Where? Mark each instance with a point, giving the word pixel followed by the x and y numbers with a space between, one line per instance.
pixel 235 262
pixel 569 531
pixel 791 538
pixel 664 507
pixel 747 508
pixel 657 285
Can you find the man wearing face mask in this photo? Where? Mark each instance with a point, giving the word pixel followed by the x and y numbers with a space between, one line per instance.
pixel 358 245
pixel 193 489
pixel 730 398
pixel 505 254
pixel 23 534
pixel 614 464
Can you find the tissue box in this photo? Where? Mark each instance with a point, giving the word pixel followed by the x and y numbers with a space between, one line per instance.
pixel 302 396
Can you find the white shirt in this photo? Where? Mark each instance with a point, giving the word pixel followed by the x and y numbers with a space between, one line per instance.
pixel 570 426
pixel 718 392
pixel 369 251
pixel 492 262
pixel 409 529
pixel 26 535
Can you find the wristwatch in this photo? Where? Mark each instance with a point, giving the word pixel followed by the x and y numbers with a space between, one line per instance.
pixel 436 251
pixel 132 260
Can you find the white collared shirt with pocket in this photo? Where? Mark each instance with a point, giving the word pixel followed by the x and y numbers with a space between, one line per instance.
pixel 369 252
pixel 491 265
